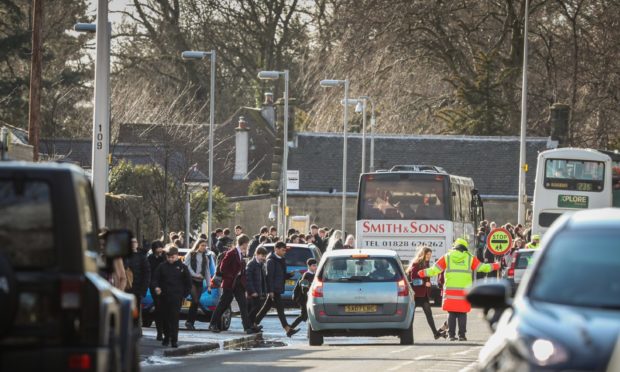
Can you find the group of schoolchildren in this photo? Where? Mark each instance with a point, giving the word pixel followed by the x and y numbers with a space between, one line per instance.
pixel 257 285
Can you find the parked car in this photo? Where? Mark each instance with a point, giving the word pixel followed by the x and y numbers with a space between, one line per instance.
pixel 520 262
pixel 56 312
pixel 566 312
pixel 360 292
pixel 296 257
pixel 206 307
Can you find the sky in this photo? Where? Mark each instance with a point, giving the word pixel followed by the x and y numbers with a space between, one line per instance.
pixel 114 5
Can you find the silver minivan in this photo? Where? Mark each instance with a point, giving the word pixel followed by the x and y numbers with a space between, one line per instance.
pixel 360 292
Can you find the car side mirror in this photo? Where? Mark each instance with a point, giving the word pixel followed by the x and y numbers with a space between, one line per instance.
pixel 490 295
pixel 118 243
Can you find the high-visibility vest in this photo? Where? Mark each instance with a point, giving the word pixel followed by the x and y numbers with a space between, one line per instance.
pixel 532 245
pixel 459 268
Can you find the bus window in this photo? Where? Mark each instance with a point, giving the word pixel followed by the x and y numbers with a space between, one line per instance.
pixel 395 198
pixel 577 175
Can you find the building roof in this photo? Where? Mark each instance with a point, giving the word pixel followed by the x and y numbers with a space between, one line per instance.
pixel 492 162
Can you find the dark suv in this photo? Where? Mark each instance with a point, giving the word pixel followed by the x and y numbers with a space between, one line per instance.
pixel 56 311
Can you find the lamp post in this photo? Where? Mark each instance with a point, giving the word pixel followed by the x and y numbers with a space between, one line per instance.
pixel 101 112
pixel 522 201
pixel 330 84
pixel 360 107
pixel 275 75
pixel 202 55
pixel 192 181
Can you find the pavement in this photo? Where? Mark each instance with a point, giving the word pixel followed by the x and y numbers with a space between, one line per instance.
pixel 338 353
pixel 192 342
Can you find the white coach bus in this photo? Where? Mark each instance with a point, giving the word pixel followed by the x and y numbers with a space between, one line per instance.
pixel 410 205
pixel 567 180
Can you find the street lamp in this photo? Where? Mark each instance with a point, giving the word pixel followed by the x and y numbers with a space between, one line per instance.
pixel 275 75
pixel 522 201
pixel 101 111
pixel 331 84
pixel 202 55
pixel 193 181
pixel 360 107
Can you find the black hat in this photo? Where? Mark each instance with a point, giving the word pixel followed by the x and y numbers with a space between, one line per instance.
pixel 172 251
pixel 311 261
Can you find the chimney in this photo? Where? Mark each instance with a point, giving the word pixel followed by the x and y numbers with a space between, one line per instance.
pixel 268 111
pixel 241 150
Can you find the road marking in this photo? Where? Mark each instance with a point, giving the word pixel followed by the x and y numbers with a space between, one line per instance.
pixel 467 351
pixel 470 367
pixel 401 350
pixel 400 366
pixel 423 357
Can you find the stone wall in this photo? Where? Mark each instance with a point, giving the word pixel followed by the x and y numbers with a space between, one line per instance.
pixel 252 213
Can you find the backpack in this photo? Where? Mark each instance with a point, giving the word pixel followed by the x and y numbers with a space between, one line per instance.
pixel 300 290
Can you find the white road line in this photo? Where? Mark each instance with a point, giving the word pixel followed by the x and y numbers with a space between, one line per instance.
pixel 401 350
pixel 467 351
pixel 423 357
pixel 400 366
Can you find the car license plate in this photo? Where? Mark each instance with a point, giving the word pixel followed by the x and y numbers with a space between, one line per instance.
pixel 187 303
pixel 290 282
pixel 360 308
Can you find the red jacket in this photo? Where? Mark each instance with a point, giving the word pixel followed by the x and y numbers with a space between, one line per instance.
pixel 232 267
pixel 420 290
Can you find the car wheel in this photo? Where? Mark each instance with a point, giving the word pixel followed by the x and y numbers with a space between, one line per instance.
pixel 8 295
pixel 406 336
pixel 314 337
pixel 226 319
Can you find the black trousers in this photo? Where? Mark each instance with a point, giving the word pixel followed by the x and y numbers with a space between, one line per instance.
pixel 254 306
pixel 196 293
pixel 171 308
pixel 159 322
pixel 424 303
pixel 269 303
pixel 453 317
pixel 303 316
pixel 238 293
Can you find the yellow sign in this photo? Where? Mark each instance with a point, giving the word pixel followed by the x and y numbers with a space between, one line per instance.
pixel 499 241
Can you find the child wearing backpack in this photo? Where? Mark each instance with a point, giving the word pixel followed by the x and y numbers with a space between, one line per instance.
pixel 300 293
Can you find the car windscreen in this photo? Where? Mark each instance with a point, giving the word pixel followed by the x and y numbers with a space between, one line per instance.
pixel 351 269
pixel 523 260
pixel 26 225
pixel 580 268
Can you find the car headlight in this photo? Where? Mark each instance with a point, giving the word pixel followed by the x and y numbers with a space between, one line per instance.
pixel 542 351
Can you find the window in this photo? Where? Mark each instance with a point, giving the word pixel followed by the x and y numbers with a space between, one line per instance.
pixel 348 269
pixel 579 175
pixel 295 256
pixel 523 260
pixel 565 274
pixel 401 196
pixel 545 219
pixel 87 217
pixel 26 223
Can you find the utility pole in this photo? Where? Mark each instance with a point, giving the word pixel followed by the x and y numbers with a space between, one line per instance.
pixel 34 111
pixel 101 112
